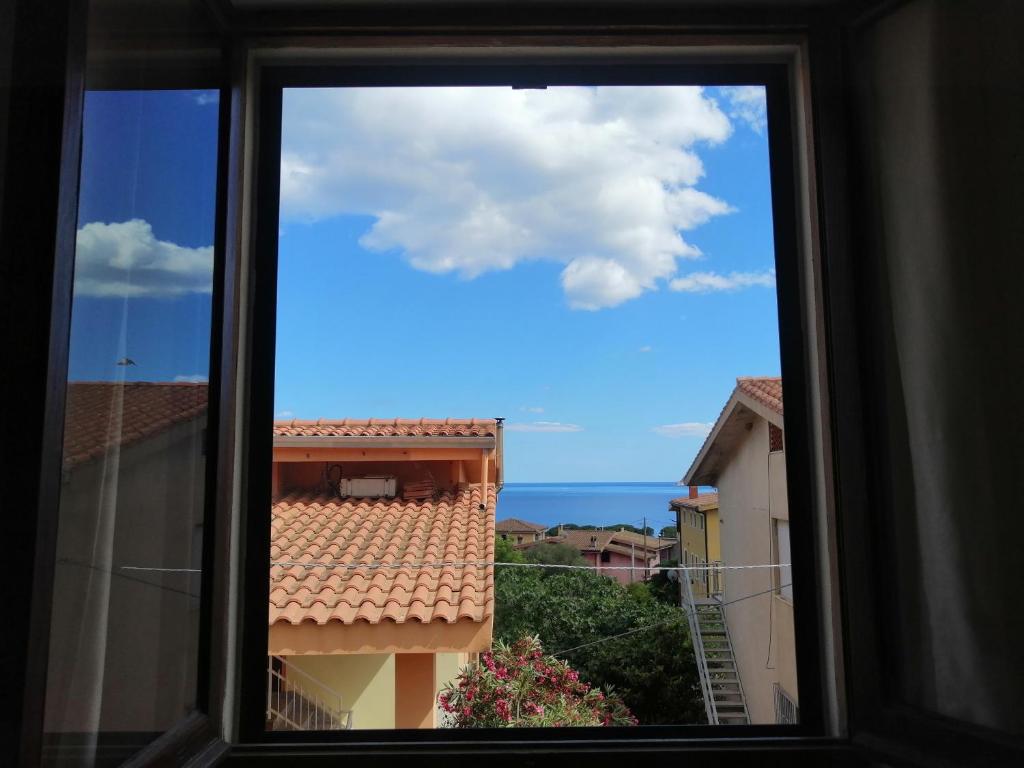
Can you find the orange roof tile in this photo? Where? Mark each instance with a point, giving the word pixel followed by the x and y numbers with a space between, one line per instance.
pixel 308 527
pixel 386 428
pixel 767 390
pixel 515 524
pixel 699 503
pixel 102 414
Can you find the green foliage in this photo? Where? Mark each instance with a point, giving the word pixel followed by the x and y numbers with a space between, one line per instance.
pixel 552 553
pixel 517 685
pixel 640 592
pixel 669 532
pixel 624 526
pixel 663 588
pixel 505 552
pixel 653 670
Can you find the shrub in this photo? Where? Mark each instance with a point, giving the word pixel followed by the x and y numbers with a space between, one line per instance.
pixel 516 685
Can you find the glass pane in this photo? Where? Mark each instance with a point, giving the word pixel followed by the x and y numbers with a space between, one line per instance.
pixel 596 264
pixel 125 617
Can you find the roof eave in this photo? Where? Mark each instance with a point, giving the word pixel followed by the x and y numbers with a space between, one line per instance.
pixel 487 442
pixel 704 469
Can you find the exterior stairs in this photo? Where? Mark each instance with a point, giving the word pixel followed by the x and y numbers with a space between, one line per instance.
pixel 296 701
pixel 720 683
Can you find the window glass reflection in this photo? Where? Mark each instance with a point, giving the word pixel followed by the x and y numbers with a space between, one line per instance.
pixel 126 596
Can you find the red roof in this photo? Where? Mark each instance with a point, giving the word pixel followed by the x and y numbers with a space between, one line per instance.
pixel 103 414
pixel 386 428
pixel 515 524
pixel 767 390
pixel 309 527
pixel 700 503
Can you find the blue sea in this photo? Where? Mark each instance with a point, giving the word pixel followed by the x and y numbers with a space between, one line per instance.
pixel 591 503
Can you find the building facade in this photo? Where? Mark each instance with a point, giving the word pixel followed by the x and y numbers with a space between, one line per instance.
pixel 744 457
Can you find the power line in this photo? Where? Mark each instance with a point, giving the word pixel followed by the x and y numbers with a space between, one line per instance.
pixel 485 563
pixel 685 614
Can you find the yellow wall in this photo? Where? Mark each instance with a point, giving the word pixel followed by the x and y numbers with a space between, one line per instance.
pixel 691 536
pixel 366 683
pixel 714 536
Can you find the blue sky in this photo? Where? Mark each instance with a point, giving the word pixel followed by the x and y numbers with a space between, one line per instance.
pixel 146 220
pixel 594 386
pixel 594 265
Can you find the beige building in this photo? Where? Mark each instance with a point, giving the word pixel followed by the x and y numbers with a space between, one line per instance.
pixel 699 534
pixel 744 457
pixel 519 531
pixel 380 584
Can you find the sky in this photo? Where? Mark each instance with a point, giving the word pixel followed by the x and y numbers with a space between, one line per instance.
pixel 595 265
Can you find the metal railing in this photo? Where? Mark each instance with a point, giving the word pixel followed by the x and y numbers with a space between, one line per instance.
pixel 690 608
pixel 297 701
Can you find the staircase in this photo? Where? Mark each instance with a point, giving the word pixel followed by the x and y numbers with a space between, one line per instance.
pixel 297 701
pixel 716 664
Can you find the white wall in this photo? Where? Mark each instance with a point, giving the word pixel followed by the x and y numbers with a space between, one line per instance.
pixel 761 632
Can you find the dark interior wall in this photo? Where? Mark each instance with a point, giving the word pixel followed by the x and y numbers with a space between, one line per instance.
pixel 941 121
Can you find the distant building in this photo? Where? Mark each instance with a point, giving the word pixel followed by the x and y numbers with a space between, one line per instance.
pixel 379 639
pixel 623 555
pixel 519 531
pixel 744 457
pixel 697 525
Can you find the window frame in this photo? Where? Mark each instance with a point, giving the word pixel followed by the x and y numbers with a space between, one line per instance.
pixel 776 73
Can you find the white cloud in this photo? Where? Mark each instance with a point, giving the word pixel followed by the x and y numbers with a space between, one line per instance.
pixel 531 409
pixel 284 415
pixel 706 282
pixel 543 426
pixel 125 260
pixel 749 104
pixel 191 378
pixel 204 98
pixel 685 429
pixel 468 181
pixel 646 348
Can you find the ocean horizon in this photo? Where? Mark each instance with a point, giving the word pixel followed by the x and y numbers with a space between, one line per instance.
pixel 591 503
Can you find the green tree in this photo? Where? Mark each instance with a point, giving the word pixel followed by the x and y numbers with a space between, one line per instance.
pixel 505 552
pixel 649 663
pixel 552 553
pixel 517 685
pixel 669 532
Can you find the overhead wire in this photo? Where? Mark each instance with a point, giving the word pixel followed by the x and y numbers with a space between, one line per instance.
pixel 685 613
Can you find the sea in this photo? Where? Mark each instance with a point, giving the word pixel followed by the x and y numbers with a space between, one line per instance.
pixel 600 504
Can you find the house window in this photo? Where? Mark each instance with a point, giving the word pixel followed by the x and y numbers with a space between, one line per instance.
pixel 781 557
pixel 774 438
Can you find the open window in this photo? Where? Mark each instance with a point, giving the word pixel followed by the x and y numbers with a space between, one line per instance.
pixel 446 244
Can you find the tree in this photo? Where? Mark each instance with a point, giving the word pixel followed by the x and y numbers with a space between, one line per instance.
pixel 649 662
pixel 669 532
pixel 517 685
pixel 505 552
pixel 553 553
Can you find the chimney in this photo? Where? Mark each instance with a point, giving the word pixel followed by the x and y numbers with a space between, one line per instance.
pixel 694 492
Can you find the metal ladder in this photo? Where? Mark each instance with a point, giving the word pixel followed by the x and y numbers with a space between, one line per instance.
pixel 297 701
pixel 720 684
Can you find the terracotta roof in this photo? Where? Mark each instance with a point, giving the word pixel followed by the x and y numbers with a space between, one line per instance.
pixel 102 414
pixel 701 503
pixel 386 428
pixel 308 527
pixel 767 390
pixel 515 524
pixel 581 540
